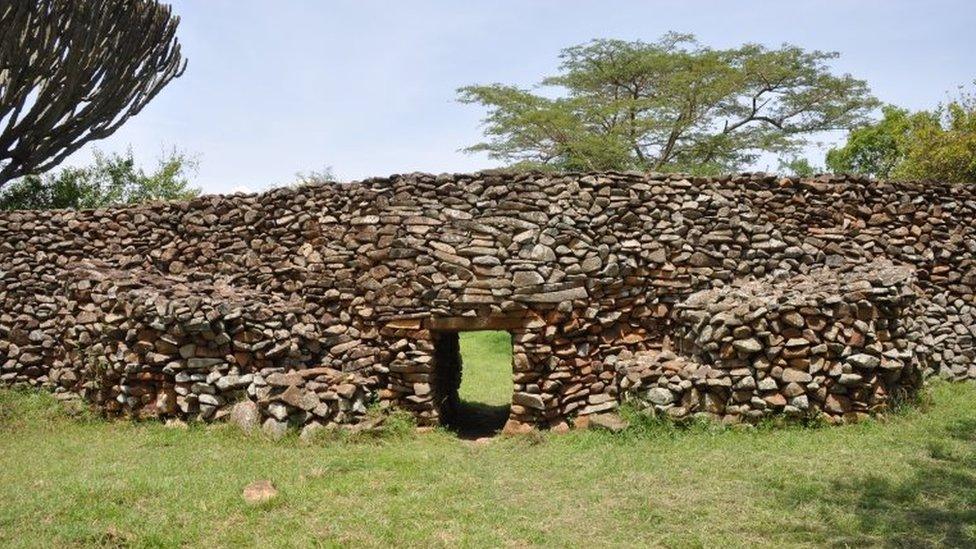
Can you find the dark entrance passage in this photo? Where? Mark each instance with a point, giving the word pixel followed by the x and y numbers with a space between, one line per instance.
pixel 474 379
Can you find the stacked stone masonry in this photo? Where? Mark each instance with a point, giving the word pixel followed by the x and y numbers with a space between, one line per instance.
pixel 308 304
pixel 834 343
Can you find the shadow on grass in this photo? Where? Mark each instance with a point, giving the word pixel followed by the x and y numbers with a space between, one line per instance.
pixel 473 420
pixel 934 506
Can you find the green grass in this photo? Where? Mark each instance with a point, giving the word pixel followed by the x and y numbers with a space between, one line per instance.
pixel 908 481
pixel 486 374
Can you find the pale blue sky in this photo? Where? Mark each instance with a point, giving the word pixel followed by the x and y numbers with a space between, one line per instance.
pixel 368 87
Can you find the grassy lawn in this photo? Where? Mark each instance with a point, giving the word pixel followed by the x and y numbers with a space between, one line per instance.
pixel 909 481
pixel 486 374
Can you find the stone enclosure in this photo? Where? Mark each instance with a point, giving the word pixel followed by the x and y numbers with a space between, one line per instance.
pixel 738 297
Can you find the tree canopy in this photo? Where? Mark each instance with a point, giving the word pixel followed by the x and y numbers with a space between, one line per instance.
pixel 72 71
pixel 112 180
pixel 668 105
pixel 925 145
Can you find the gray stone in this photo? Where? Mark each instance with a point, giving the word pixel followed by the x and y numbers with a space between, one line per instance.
pixel 311 431
pixel 862 360
pixel 801 402
pixel 542 253
pixel 529 400
pixel 660 396
pixel 274 429
pixel 791 375
pixel 555 297
pixel 278 411
pixel 749 345
pixel 527 278
pixel 767 384
pixel 203 363
pixel 849 379
pixel 245 414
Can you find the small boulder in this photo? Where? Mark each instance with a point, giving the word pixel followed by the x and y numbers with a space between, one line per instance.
pixel 246 415
pixel 514 427
pixel 849 379
pixel 750 345
pixel 608 422
pixel 259 491
pixel 311 431
pixel 863 360
pixel 660 396
pixel 792 375
pixel 837 404
pixel 274 429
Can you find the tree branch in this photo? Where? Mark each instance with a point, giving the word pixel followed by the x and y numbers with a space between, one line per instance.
pixel 74 71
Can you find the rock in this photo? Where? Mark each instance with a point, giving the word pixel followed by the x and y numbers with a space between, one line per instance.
pixel 749 345
pixel 745 384
pixel 284 380
pixel 311 431
pixel 796 376
pixel 559 428
pixel 556 296
pixel 202 363
pixel 660 396
pixel 837 404
pixel 865 361
pixel 292 396
pixel 849 379
pixel 767 384
pixel 608 422
pixel 246 416
pixel 278 411
pixel 699 259
pixel 274 429
pixel 513 427
pixel 346 390
pixel 529 401
pixel 542 253
pixel 228 382
pixel 591 264
pixel 658 256
pixel 527 278
pixel 259 491
pixel 794 319
pixel 793 389
pixel 800 402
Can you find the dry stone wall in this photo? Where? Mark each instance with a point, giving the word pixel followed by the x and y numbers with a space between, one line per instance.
pixel 151 345
pixel 278 300
pixel 833 343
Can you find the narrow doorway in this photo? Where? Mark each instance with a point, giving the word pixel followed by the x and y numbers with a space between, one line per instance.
pixel 485 392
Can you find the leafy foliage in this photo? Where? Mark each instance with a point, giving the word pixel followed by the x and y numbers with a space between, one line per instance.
pixel 112 180
pixel 925 145
pixel 671 104
pixel 798 166
pixel 873 149
pixel 315 177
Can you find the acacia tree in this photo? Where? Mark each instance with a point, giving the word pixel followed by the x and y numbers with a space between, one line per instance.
pixel 672 104
pixel 73 71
